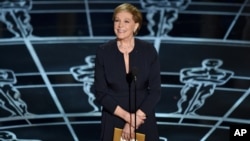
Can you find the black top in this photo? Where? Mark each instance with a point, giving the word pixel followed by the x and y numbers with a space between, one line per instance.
pixel 112 87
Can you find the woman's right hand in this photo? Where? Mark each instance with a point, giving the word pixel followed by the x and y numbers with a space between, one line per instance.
pixel 128 132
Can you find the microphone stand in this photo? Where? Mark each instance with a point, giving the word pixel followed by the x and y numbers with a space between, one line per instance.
pixel 129 78
pixel 134 78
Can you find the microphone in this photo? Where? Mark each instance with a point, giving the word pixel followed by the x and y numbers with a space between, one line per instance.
pixel 134 72
pixel 131 76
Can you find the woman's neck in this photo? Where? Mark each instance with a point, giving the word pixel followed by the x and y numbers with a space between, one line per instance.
pixel 126 44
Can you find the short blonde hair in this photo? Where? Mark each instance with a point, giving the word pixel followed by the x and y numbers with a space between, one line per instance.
pixel 137 16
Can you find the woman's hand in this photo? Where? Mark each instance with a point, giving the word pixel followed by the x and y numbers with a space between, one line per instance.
pixel 137 119
pixel 130 118
pixel 128 132
pixel 123 114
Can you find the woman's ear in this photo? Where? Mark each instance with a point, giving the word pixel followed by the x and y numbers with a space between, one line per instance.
pixel 136 28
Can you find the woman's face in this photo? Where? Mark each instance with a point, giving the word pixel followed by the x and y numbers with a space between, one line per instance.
pixel 124 25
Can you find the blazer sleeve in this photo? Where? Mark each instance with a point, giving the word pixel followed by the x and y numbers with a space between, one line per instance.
pixel 154 83
pixel 101 89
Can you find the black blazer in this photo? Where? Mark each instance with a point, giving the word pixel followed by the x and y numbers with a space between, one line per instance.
pixel 112 87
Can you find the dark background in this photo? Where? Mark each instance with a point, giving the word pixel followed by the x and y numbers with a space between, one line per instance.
pixel 40 41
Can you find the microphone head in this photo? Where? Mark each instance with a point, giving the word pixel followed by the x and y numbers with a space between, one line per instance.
pixel 134 71
pixel 131 76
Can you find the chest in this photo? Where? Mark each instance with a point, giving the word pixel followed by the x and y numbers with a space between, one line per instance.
pixel 116 65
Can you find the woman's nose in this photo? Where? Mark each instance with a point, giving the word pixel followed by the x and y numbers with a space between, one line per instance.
pixel 120 24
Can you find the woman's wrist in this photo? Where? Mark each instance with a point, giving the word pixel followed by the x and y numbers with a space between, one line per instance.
pixel 120 112
pixel 127 117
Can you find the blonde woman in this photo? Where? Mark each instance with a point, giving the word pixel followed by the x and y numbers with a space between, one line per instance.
pixel 127 79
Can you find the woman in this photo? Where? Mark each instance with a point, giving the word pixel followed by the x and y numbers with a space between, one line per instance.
pixel 127 79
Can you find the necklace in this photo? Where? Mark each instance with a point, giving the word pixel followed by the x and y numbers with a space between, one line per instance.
pixel 125 49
